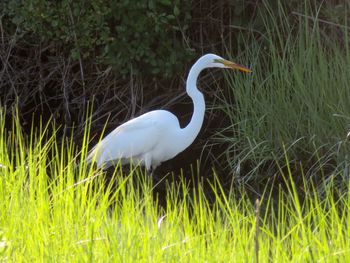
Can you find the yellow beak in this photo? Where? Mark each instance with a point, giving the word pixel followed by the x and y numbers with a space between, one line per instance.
pixel 233 65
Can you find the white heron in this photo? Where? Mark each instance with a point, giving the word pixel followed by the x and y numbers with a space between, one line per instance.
pixel 156 136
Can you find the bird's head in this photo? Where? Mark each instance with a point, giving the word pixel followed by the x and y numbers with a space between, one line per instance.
pixel 215 61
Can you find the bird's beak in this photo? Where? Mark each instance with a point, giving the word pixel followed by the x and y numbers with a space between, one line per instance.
pixel 233 65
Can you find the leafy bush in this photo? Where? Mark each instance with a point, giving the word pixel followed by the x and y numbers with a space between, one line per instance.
pixel 134 36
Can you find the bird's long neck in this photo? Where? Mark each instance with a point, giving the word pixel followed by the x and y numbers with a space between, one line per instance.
pixel 190 132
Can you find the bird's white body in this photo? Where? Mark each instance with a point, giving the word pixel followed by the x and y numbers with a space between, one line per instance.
pixel 156 136
pixel 159 128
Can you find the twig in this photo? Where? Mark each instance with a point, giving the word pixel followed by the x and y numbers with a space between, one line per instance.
pixel 314 19
pixel 77 44
pixel 2 33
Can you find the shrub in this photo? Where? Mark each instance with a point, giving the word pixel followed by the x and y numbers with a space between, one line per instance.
pixel 133 36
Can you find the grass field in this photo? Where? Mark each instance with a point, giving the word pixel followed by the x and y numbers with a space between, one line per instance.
pixel 297 98
pixel 293 111
pixel 55 209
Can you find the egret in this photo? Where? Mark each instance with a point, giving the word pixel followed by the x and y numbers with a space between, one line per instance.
pixel 156 136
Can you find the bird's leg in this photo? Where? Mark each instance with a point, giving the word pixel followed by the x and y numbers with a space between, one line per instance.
pixel 151 171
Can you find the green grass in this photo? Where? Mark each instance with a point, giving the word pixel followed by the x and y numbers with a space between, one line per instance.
pixel 298 96
pixel 56 209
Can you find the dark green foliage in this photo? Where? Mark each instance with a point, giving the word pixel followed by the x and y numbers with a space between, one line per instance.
pixel 133 36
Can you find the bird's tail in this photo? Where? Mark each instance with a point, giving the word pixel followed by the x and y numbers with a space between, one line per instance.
pixel 93 155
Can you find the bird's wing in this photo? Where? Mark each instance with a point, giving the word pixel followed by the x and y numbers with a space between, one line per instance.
pixel 131 139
